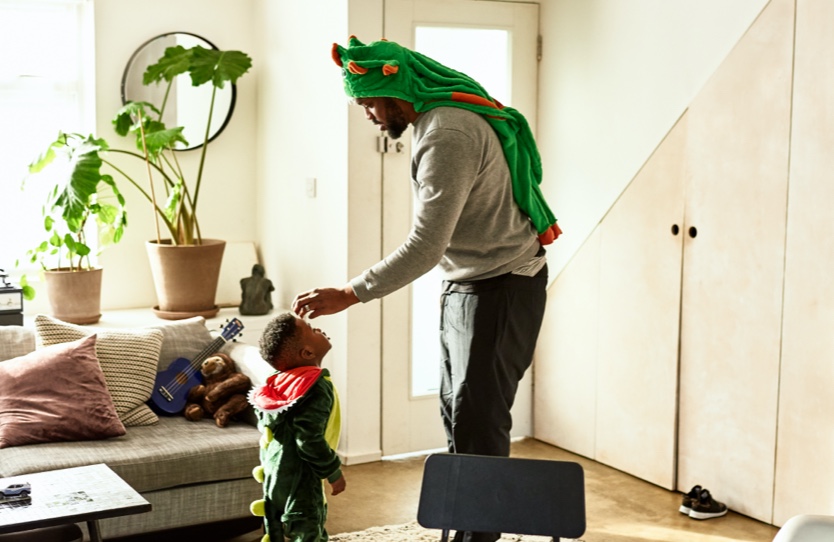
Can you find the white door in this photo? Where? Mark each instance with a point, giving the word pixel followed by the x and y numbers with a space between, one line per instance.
pixel 496 44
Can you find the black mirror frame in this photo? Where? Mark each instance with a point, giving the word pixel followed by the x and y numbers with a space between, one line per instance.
pixel 213 46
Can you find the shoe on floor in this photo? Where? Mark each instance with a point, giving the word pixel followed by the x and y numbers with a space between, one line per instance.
pixel 688 499
pixel 705 507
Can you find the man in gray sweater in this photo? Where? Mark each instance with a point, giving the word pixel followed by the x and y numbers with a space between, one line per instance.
pixel 467 221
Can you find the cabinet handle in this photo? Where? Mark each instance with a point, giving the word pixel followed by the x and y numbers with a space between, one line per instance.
pixel 693 231
pixel 675 229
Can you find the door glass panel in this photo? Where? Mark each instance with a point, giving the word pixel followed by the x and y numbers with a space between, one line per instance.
pixel 484 55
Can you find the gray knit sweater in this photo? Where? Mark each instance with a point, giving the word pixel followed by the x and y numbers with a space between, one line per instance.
pixel 465 218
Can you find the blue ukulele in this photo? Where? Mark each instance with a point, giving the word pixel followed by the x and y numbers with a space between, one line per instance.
pixel 172 385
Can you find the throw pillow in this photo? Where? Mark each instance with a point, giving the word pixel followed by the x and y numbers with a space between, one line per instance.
pixel 128 358
pixel 15 341
pixel 183 339
pixel 55 394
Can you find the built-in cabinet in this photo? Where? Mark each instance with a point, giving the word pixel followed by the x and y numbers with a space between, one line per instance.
pixel 805 438
pixel 692 339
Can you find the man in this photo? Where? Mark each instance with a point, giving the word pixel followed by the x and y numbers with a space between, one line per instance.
pixel 478 214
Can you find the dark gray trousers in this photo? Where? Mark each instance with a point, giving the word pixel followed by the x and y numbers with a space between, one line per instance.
pixel 488 332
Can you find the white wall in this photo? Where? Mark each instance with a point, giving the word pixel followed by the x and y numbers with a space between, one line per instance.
pixel 614 77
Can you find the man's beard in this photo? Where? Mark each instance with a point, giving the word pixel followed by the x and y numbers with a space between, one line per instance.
pixel 396 123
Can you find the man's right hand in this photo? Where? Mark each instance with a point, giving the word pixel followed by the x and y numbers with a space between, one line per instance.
pixel 323 301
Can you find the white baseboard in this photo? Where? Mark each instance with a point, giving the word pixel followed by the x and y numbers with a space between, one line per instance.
pixel 358 459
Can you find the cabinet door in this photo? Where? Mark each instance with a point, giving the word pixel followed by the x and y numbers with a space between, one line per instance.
pixel 737 162
pixel 639 309
pixel 805 444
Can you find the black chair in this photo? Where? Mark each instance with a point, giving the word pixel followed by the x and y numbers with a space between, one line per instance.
pixel 502 494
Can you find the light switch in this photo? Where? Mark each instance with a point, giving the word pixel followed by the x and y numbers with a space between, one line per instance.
pixel 311 187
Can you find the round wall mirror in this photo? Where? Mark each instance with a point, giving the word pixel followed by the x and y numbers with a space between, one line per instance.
pixel 187 105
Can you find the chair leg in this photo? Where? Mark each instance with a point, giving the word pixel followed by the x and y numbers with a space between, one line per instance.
pixel 444 535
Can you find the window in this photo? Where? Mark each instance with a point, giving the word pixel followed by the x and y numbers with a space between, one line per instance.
pixel 46 86
pixel 463 49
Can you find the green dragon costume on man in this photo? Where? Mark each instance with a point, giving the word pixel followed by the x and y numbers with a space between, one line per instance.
pixel 386 69
pixel 298 415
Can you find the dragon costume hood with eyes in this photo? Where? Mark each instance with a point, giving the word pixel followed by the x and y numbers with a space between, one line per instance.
pixel 386 69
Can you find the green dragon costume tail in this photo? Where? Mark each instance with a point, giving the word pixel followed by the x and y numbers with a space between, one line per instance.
pixel 386 69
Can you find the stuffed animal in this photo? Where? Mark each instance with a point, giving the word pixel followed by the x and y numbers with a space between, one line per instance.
pixel 223 393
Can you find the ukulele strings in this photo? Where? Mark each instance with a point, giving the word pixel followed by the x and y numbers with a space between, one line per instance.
pixel 175 384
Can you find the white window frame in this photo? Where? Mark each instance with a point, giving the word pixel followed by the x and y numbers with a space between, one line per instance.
pixel 59 29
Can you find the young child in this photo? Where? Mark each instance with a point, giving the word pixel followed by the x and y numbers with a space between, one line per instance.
pixel 298 414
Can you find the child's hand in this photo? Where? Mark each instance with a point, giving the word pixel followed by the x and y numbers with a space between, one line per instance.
pixel 338 486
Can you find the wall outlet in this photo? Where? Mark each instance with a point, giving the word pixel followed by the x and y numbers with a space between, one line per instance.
pixel 310 183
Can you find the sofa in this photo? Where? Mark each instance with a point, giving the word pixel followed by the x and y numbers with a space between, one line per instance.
pixel 192 473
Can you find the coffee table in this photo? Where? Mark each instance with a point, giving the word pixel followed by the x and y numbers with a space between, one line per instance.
pixel 70 495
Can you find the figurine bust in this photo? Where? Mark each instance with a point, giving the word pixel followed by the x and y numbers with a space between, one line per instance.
pixel 256 297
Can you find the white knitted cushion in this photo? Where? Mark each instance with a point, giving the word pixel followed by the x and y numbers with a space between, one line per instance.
pixel 128 358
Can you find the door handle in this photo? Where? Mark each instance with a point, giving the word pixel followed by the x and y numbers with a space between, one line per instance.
pixel 675 229
pixel 693 231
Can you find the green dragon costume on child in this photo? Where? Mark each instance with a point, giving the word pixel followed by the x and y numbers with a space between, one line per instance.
pixel 298 416
pixel 386 69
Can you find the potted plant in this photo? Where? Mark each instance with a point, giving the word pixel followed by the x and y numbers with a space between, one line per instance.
pixel 77 202
pixel 185 266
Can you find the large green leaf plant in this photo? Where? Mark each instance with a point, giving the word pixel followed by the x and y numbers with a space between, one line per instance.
pixel 76 197
pixel 155 143
pixel 81 197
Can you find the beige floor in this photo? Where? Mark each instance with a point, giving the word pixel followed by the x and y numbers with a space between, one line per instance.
pixel 619 507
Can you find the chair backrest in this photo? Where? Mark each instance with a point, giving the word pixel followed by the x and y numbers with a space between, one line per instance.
pixel 464 492
pixel 807 528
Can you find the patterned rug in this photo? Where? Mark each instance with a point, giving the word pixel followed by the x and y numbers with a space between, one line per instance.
pixel 413 532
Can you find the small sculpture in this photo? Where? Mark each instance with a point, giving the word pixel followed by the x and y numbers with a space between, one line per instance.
pixel 257 291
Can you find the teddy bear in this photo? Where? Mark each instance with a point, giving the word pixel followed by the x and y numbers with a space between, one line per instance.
pixel 223 393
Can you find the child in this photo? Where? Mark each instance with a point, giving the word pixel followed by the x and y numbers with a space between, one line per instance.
pixel 298 414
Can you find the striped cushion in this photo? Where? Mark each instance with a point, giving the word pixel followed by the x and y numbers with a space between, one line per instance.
pixel 128 358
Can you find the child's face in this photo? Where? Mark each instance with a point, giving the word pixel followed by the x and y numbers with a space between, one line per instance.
pixel 312 338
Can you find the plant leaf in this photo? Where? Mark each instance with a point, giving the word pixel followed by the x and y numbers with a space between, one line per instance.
pixel 107 214
pixel 69 242
pixel 127 118
pixel 175 61
pixel 159 138
pixel 81 249
pixel 28 291
pixel 75 193
pixel 217 66
pixel 48 155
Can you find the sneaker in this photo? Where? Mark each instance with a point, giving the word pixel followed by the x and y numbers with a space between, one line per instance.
pixel 705 507
pixel 688 498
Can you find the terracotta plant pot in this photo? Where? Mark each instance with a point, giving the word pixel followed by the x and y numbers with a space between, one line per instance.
pixel 75 296
pixel 185 277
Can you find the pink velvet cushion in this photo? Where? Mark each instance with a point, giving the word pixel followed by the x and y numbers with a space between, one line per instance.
pixel 54 394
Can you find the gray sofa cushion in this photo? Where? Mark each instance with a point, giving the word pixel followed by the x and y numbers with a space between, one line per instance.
pixel 183 339
pixel 148 457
